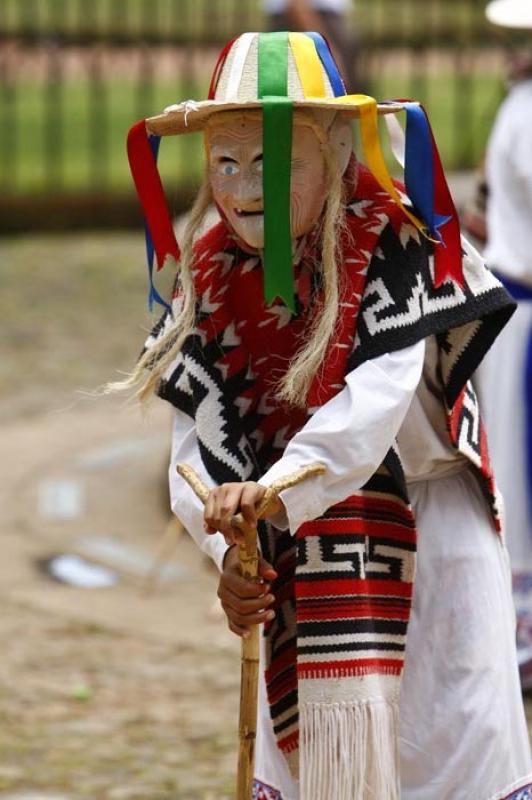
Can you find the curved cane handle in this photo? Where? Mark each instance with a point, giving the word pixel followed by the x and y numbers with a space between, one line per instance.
pixel 278 486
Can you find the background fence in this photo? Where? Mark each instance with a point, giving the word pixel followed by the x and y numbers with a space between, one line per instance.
pixel 74 75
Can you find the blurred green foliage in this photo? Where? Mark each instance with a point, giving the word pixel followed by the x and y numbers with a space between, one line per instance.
pixel 87 135
pixel 118 19
pixel 403 20
pixel 107 63
pixel 85 120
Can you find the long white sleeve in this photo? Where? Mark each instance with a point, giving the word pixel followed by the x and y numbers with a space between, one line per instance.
pixel 184 502
pixel 350 434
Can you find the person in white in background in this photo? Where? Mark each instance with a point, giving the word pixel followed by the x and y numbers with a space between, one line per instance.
pixel 330 18
pixel 505 377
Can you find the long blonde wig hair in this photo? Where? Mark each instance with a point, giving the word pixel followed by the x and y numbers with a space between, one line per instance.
pixel 293 388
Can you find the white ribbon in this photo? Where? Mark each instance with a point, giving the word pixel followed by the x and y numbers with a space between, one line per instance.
pixel 240 50
pixel 397 138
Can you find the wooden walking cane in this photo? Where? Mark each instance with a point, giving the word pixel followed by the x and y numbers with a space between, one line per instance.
pixel 249 562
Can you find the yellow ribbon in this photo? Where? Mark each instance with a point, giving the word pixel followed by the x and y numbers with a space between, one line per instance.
pixel 308 65
pixel 369 131
pixel 310 71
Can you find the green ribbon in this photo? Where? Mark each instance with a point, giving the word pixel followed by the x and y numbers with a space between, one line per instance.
pixel 277 165
pixel 273 64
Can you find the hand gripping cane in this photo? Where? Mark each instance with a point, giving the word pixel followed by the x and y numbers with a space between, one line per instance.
pixel 249 561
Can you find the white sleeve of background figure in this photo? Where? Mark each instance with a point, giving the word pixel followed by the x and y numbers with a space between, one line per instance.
pixel 519 148
pixel 350 434
pixel 185 505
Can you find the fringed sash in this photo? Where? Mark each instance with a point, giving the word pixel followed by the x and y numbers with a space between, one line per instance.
pixel 354 583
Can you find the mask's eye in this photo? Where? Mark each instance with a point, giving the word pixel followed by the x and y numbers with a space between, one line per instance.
pixel 228 168
pixel 257 163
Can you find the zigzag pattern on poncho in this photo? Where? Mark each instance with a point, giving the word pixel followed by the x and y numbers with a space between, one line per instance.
pixel 225 379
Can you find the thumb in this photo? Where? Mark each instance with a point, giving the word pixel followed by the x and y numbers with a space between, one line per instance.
pixel 266 570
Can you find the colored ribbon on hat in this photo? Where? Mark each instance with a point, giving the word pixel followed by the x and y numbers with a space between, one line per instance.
pixel 308 65
pixel 369 131
pixel 218 68
pixel 153 294
pixel 329 64
pixel 428 189
pixel 423 166
pixel 277 161
pixel 160 238
pixel 239 55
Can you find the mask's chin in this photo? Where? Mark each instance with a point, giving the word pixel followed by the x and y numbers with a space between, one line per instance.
pixel 250 236
pixel 250 230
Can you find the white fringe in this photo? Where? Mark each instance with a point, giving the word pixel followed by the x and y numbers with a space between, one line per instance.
pixel 349 751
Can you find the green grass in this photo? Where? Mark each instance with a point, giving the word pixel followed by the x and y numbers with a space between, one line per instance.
pixel 83 146
pixel 73 313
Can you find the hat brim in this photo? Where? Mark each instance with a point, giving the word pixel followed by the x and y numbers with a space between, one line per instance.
pixel 191 115
pixel 510 13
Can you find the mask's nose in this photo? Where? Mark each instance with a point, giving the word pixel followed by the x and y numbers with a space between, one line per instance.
pixel 248 192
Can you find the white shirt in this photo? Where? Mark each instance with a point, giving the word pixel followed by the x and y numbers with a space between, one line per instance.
pixel 383 399
pixel 279 6
pixel 509 174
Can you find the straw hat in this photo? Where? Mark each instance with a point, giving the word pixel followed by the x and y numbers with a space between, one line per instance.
pixel 298 66
pixel 510 13
pixel 281 73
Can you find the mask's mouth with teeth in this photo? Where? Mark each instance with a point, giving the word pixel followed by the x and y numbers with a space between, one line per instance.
pixel 243 212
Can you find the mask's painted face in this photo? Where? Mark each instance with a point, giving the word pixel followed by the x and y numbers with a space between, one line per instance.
pixel 234 145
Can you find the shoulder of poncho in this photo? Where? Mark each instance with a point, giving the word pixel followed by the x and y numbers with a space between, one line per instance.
pixel 371 209
pixel 373 217
pixel 402 305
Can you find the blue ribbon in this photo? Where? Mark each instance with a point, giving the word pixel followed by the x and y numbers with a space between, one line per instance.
pixel 419 168
pixel 153 294
pixel 528 428
pixel 328 62
pixel 520 292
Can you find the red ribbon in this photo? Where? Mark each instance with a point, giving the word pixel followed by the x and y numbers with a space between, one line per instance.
pixel 218 68
pixel 448 251
pixel 447 254
pixel 151 194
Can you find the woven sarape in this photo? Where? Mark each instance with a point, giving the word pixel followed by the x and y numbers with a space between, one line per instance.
pixel 262 791
pixel 335 649
pixel 523 793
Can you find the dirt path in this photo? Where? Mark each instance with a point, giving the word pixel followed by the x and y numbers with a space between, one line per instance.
pixel 111 693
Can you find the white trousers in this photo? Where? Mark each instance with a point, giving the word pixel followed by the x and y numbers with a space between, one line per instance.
pixel 463 733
